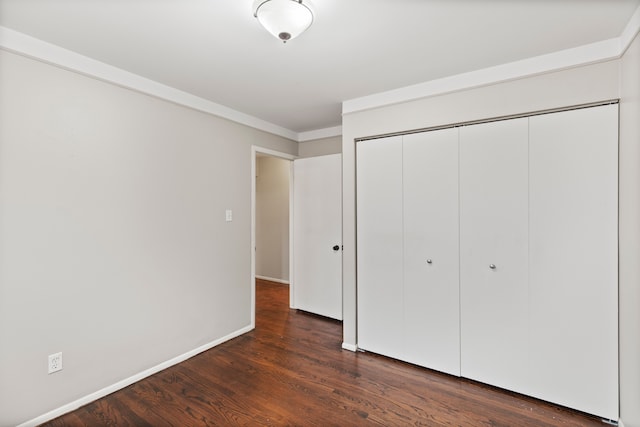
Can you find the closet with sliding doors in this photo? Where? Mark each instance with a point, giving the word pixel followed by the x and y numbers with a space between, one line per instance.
pixel 489 251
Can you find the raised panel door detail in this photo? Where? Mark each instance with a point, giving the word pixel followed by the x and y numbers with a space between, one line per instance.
pixel 493 253
pixel 379 246
pixel 573 259
pixel 431 269
pixel 317 223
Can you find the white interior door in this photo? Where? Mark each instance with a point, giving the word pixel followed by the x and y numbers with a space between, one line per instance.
pixel 379 239
pixel 317 235
pixel 574 259
pixel 431 269
pixel 493 253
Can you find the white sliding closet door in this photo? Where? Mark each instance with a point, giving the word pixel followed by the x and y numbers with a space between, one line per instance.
pixel 431 270
pixel 574 259
pixel 379 240
pixel 493 253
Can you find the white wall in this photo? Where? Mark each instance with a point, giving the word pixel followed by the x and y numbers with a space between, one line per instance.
pixel 320 147
pixel 272 218
pixel 113 243
pixel 630 236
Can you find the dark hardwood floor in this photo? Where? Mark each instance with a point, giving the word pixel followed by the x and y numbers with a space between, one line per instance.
pixel 291 370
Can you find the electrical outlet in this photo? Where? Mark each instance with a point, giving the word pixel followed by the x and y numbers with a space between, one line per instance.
pixel 55 362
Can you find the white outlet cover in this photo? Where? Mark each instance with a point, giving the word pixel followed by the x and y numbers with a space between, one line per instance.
pixel 229 215
pixel 55 362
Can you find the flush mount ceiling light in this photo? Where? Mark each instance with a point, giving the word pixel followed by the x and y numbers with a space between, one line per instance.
pixel 285 19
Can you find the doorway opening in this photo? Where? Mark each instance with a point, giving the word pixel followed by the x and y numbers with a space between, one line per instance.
pixel 271 219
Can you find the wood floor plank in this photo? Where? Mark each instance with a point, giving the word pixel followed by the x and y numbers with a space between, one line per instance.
pixel 291 370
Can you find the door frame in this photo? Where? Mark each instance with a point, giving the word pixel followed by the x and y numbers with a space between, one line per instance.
pixel 255 150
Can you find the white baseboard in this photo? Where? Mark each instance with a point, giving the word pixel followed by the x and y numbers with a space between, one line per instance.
pixel 271 279
pixel 350 347
pixel 128 381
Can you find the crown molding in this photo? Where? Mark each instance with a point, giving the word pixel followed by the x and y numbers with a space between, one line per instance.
pixel 630 32
pixel 31 47
pixel 602 51
pixel 320 133
pixel 583 55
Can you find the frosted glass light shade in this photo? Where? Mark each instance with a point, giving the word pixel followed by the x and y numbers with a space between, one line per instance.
pixel 285 19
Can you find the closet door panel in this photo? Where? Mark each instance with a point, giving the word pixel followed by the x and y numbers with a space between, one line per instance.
pixel 493 233
pixel 431 269
pixel 379 250
pixel 573 259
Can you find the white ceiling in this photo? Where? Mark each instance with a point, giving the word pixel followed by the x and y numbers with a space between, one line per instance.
pixel 216 50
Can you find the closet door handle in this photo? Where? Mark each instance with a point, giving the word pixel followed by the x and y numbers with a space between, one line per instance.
pixel 336 248
pixel 492 266
pixel 429 261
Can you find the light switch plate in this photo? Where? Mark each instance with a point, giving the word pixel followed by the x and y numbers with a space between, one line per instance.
pixel 229 215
